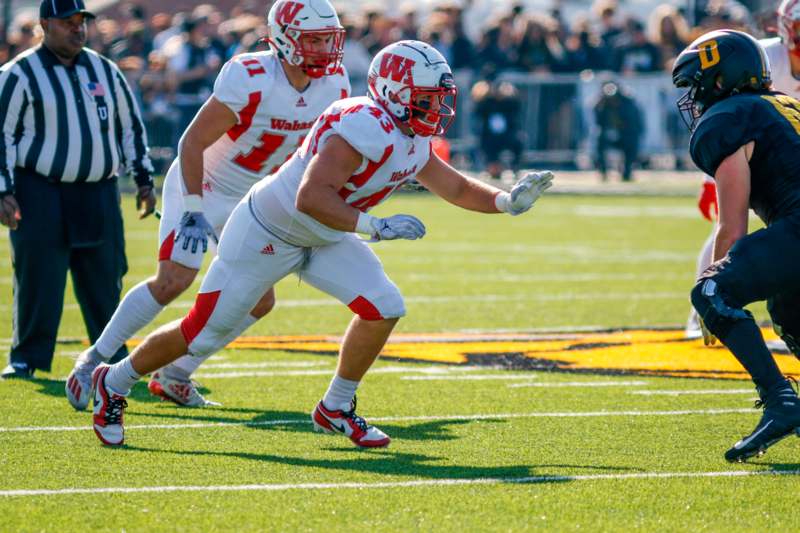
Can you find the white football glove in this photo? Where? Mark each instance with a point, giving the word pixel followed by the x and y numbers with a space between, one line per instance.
pixel 391 228
pixel 524 193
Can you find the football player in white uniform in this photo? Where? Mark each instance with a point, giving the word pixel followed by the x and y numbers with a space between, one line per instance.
pixel 263 106
pixel 303 220
pixel 783 53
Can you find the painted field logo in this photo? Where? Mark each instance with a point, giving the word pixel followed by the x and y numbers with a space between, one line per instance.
pixel 639 352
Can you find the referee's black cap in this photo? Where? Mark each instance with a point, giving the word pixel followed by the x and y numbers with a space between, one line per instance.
pixel 62 9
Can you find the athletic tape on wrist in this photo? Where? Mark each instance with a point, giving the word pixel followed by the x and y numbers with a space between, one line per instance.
pixel 502 201
pixel 364 224
pixel 193 203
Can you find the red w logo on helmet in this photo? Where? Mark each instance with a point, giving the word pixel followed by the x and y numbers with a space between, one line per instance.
pixel 287 12
pixel 397 68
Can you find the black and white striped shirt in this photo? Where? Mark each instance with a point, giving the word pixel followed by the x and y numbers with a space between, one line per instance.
pixel 71 124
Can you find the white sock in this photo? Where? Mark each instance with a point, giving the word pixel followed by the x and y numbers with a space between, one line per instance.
pixel 137 309
pixel 188 364
pixel 340 394
pixel 121 377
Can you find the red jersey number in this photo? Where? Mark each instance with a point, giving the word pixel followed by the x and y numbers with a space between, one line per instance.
pixel 255 159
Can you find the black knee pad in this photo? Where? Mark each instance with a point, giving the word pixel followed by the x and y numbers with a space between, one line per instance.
pixel 717 312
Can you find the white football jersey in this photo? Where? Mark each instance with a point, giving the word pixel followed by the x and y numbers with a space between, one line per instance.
pixel 390 159
pixel 780 68
pixel 274 118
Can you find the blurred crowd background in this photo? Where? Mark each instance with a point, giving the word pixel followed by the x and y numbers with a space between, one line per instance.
pixel 563 86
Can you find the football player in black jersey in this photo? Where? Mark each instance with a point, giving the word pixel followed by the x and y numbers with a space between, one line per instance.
pixel 748 138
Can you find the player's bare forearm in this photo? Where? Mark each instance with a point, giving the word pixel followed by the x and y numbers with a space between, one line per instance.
pixel 457 188
pixel 323 204
pixel 725 238
pixel 159 349
pixel 211 123
pixel 733 194
pixel 328 171
pixel 191 155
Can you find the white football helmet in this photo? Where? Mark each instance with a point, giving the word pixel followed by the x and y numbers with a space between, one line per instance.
pixel 413 82
pixel 307 34
pixel 789 24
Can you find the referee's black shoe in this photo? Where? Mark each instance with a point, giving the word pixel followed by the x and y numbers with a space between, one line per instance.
pixel 781 418
pixel 17 371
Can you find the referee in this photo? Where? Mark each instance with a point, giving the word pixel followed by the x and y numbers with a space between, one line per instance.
pixel 69 125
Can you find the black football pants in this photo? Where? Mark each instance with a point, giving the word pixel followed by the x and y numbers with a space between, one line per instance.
pixel 765 265
pixel 42 254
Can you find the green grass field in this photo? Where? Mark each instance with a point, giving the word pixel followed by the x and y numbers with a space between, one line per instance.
pixel 474 448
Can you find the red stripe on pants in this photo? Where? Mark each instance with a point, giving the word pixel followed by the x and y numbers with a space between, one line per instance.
pixel 365 309
pixel 165 252
pixel 196 320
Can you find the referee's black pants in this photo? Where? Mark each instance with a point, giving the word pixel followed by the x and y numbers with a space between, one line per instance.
pixel 75 227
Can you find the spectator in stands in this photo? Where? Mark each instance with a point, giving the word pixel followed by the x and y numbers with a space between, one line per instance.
pixel 669 31
pixel 172 32
pixel 583 49
pixel 610 30
pixel 462 50
pixel 438 32
pixel 407 24
pixel 194 67
pixel 539 49
pixel 634 52
pixel 26 36
pixel 379 32
pixel 620 123
pixel 108 33
pixel 495 51
pixel 134 43
pixel 213 19
pixel 497 107
pixel 356 57
pixel 156 94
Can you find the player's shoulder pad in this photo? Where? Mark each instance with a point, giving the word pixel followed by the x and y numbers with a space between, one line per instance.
pixel 342 81
pixel 772 42
pixel 722 130
pixel 242 75
pixel 366 126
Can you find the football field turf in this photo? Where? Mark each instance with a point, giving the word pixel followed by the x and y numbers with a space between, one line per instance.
pixel 537 382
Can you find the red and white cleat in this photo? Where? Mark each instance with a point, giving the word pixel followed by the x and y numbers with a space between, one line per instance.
pixel 181 392
pixel 349 424
pixel 108 410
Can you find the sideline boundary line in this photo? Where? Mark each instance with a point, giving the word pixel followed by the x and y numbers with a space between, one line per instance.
pixel 397 484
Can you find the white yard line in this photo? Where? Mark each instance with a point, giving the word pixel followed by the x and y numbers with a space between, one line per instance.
pixel 268 364
pixel 557 384
pixel 538 278
pixel 479 298
pixel 691 391
pixel 473 377
pixel 295 421
pixel 397 484
pixel 410 369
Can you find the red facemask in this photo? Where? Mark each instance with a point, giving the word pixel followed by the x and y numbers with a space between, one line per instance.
pixel 432 109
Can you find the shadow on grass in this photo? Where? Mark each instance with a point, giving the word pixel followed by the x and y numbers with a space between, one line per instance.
pixel 777 467
pixel 300 422
pixel 390 463
pixel 383 462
